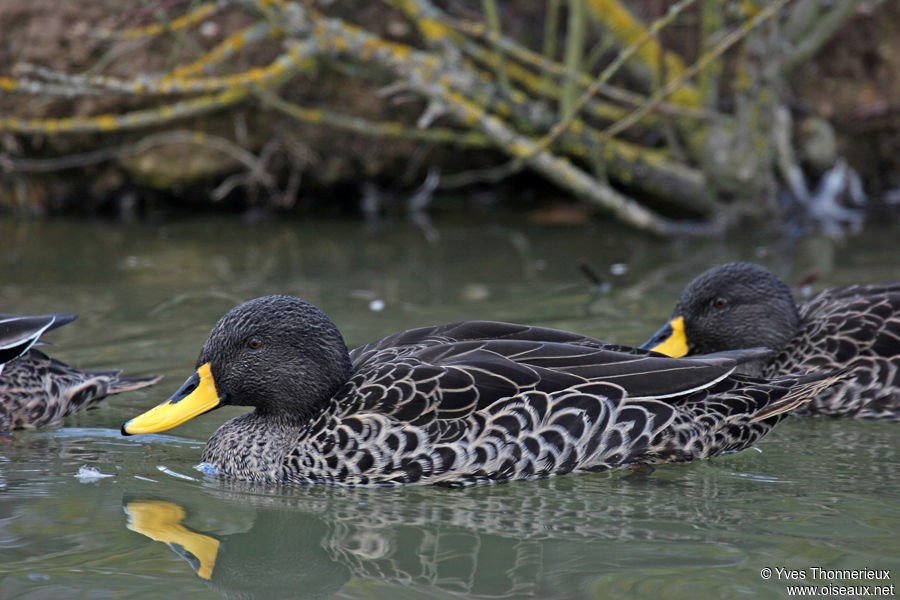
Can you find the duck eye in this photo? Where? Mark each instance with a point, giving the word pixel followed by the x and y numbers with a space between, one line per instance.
pixel 720 302
pixel 254 343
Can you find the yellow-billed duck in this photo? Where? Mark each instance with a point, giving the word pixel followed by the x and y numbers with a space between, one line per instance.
pixel 457 404
pixel 743 305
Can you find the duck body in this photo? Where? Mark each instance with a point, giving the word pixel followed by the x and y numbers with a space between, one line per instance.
pixel 854 327
pixel 458 404
pixel 36 390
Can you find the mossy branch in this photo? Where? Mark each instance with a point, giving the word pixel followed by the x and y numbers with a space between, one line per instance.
pixel 541 112
pixel 821 30
pixel 619 22
pixel 568 116
pixel 425 74
pixel 197 15
pixel 706 59
pixel 132 120
pixel 297 58
pixel 375 129
pixel 640 168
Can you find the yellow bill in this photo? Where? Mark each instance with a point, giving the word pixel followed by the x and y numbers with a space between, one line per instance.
pixel 161 521
pixel 196 396
pixel 670 340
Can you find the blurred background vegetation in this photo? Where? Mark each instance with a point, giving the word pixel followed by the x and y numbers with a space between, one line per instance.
pixel 673 117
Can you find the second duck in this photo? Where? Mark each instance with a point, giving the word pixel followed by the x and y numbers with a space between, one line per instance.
pixel 743 305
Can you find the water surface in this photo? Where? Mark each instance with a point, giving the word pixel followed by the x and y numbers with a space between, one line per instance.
pixel 816 492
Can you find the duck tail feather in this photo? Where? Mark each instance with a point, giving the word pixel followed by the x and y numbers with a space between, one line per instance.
pixel 803 388
pixel 127 384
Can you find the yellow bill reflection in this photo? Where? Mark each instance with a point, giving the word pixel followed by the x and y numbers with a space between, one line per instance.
pixel 161 521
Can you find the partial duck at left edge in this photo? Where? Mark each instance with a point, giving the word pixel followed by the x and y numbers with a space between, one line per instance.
pixel 36 390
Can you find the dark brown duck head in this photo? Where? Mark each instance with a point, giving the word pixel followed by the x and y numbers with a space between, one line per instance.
pixel 736 305
pixel 279 354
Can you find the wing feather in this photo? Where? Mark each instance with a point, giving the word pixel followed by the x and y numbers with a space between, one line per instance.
pixel 452 371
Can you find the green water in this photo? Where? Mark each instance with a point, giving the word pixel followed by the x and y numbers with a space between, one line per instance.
pixel 815 493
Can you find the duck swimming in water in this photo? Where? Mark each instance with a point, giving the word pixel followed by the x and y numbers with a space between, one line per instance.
pixel 457 404
pixel 36 390
pixel 743 305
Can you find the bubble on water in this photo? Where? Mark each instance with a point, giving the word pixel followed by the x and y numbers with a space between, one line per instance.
pixel 88 474
pixel 207 468
pixel 618 269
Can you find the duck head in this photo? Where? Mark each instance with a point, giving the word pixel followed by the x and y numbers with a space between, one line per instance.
pixel 733 306
pixel 279 354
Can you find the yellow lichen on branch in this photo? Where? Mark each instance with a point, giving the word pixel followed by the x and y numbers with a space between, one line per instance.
pixel 376 129
pixel 619 22
pixel 227 48
pixel 130 120
pixel 713 54
pixel 192 18
pixel 468 113
pixel 682 186
pixel 296 59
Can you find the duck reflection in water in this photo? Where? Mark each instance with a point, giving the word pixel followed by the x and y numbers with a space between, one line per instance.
pixel 298 555
pixel 289 564
pixel 546 539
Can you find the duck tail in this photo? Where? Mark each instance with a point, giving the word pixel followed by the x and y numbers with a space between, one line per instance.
pixel 127 384
pixel 803 388
pixel 85 390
